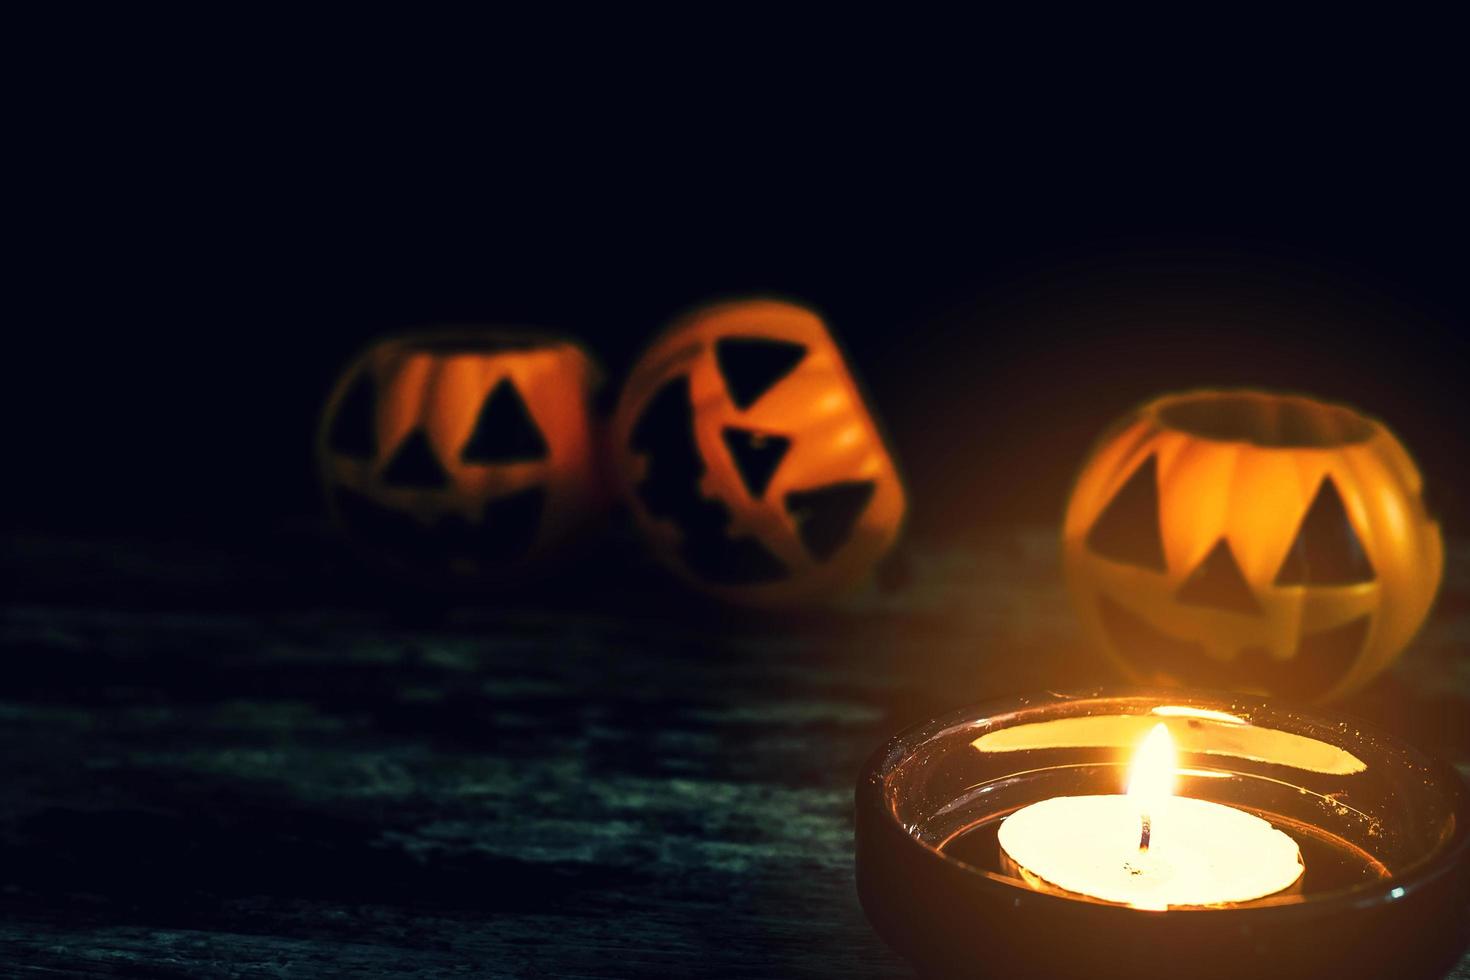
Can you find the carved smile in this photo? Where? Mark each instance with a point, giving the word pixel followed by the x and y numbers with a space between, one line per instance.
pixel 1321 659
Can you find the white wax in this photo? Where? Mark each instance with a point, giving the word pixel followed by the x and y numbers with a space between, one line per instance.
pixel 1200 853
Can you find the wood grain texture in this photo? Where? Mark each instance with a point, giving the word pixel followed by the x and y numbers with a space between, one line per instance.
pixel 259 761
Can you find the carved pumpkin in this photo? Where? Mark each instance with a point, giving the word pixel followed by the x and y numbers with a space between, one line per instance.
pixel 462 451
pixel 1251 541
pixel 749 459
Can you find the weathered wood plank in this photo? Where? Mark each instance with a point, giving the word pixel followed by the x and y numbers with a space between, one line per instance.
pixel 252 762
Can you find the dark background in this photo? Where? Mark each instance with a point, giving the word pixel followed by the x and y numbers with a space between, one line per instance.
pixel 203 263
pixel 225 752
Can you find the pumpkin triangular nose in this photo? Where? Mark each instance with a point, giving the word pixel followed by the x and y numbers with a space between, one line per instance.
pixel 1218 584
pixel 415 465
pixel 756 457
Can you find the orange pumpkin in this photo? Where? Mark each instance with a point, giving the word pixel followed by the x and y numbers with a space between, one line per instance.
pixel 464 451
pixel 1251 541
pixel 749 458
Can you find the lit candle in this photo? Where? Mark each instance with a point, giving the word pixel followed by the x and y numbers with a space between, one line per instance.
pixel 1149 848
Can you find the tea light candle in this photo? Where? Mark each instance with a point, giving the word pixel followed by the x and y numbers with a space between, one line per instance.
pixel 1149 848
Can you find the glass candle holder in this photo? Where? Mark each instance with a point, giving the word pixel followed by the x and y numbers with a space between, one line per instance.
pixel 1384 833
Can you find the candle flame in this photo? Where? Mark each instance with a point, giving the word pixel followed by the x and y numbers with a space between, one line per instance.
pixel 1151 776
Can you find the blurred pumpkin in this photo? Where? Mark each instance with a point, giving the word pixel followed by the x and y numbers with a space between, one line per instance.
pixel 750 460
pixel 462 451
pixel 1251 541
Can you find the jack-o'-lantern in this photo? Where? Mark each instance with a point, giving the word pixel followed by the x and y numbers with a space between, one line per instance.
pixel 462 451
pixel 750 460
pixel 1251 541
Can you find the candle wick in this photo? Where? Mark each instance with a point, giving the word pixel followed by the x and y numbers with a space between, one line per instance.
pixel 1146 835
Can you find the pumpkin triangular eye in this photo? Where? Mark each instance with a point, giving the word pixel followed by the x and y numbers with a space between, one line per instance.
pixel 825 516
pixel 504 431
pixel 1218 584
pixel 415 465
pixel 1326 550
pixel 1128 530
pixel 354 430
pixel 756 456
pixel 752 365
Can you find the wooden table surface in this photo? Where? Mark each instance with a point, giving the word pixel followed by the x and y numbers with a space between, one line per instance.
pixel 255 760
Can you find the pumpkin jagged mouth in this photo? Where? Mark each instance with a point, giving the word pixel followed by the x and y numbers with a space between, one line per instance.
pixel 1321 659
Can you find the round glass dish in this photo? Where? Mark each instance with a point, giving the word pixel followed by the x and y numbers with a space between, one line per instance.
pixel 1383 831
